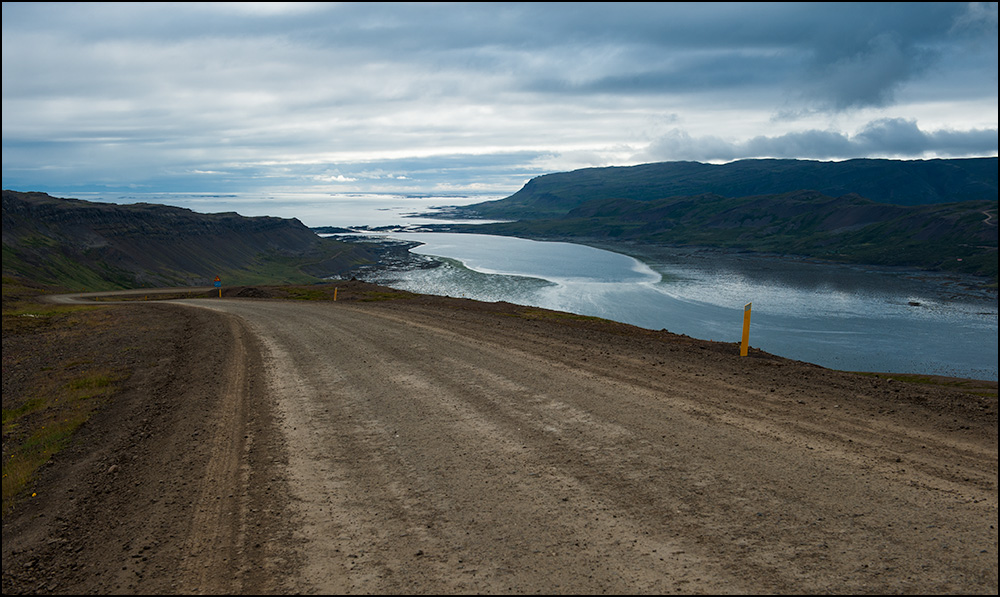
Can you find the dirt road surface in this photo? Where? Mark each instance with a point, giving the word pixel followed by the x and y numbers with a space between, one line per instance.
pixel 444 446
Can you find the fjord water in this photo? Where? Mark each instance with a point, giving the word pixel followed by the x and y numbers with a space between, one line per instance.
pixel 849 318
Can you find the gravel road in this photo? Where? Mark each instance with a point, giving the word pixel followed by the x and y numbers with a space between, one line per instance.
pixel 444 446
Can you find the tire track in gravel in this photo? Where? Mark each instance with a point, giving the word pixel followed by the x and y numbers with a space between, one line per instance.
pixel 432 453
pixel 422 460
pixel 215 538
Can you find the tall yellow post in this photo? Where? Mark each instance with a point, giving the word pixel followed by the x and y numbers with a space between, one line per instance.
pixel 334 293
pixel 745 346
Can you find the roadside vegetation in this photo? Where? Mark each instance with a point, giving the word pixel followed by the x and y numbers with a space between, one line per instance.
pixel 51 383
pixel 330 290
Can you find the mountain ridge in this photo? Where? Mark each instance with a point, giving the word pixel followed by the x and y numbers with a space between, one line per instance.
pixel 900 182
pixel 637 204
pixel 88 245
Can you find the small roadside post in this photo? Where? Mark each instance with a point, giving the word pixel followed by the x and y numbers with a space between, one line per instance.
pixel 218 284
pixel 745 345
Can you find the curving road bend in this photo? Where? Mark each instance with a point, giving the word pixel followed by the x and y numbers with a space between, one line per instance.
pixel 434 449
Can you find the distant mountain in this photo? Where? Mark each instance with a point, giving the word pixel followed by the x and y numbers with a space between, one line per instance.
pixel 959 237
pixel 934 215
pixel 919 182
pixel 92 246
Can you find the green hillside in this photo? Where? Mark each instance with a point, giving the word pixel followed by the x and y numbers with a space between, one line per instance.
pixel 934 215
pixel 918 182
pixel 956 237
pixel 83 245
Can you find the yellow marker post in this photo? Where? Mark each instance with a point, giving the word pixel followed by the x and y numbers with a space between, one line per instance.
pixel 334 293
pixel 745 345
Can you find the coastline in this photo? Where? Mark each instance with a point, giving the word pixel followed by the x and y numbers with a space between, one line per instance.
pixel 921 297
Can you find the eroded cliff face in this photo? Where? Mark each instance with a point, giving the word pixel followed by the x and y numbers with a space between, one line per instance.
pixel 145 244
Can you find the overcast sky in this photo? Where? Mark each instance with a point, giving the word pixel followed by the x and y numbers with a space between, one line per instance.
pixel 454 98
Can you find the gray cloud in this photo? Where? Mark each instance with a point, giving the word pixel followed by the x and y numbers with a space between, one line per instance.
pixel 882 138
pixel 219 93
pixel 869 77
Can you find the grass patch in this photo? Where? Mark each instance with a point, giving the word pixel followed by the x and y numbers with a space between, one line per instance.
pixel 52 267
pixel 46 397
pixel 370 296
pixel 556 315
pixel 32 318
pixel 44 424
pixel 13 415
pixel 275 268
pixel 146 296
pixel 344 292
pixel 309 294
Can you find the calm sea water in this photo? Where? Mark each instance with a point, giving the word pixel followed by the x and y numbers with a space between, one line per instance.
pixel 851 318
pixel 311 208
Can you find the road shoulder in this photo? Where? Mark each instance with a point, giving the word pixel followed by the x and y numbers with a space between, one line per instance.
pixel 152 495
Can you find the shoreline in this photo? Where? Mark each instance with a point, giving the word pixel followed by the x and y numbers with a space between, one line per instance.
pixel 353 290
pixel 945 295
pixel 948 285
pixel 979 287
